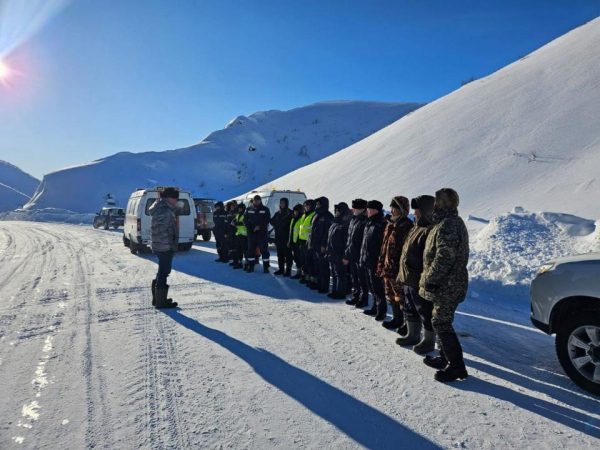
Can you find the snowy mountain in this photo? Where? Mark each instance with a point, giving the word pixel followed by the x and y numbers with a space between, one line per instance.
pixel 248 152
pixel 527 135
pixel 16 186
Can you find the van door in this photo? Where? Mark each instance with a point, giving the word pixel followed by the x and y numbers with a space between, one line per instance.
pixel 186 216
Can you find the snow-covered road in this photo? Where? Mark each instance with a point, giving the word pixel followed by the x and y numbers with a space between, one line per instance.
pixel 251 361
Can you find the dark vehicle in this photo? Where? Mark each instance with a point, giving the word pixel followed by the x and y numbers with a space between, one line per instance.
pixel 205 223
pixel 109 217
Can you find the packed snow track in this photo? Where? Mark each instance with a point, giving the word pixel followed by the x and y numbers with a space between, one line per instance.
pixel 251 361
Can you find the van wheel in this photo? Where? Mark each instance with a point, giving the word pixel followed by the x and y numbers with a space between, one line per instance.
pixel 206 235
pixel 578 349
pixel 125 241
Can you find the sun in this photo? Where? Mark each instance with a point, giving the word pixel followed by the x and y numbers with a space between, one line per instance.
pixel 4 71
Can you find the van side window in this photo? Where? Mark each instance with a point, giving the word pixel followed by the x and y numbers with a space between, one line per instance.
pixel 149 204
pixel 183 207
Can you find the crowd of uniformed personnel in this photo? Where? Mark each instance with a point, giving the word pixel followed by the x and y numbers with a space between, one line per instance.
pixel 418 266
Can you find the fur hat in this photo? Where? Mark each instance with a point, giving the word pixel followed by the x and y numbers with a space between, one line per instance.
pixel 359 203
pixel 400 202
pixel 375 204
pixel 169 193
pixel 446 199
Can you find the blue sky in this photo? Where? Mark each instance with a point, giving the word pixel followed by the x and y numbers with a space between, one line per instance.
pixel 121 75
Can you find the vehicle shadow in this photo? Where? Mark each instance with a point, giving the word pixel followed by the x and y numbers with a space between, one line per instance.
pixel 364 424
pixel 521 355
pixel 573 419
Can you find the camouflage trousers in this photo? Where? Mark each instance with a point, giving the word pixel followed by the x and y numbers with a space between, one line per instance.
pixel 394 291
pixel 443 315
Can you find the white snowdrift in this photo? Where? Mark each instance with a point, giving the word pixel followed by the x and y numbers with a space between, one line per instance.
pixel 16 186
pixel 512 246
pixel 248 152
pixel 49 215
pixel 527 134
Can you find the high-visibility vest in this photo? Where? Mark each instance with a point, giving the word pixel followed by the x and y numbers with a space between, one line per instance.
pixel 306 226
pixel 240 228
pixel 295 229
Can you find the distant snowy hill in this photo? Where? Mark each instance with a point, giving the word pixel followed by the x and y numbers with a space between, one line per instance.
pixel 248 152
pixel 16 186
pixel 527 135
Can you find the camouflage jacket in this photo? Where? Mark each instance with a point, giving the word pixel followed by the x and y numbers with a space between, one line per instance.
pixel 394 236
pixel 165 233
pixel 445 276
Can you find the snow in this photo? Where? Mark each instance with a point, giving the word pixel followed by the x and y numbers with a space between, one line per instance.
pixel 252 360
pixel 222 165
pixel 49 215
pixel 527 135
pixel 16 186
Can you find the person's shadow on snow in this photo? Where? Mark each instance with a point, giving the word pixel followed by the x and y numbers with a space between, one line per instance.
pixel 362 423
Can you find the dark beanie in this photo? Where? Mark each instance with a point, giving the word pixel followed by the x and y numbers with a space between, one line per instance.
pixel 341 207
pixel 284 200
pixel 310 202
pixel 359 203
pixel 375 204
pixel 219 204
pixel 298 207
pixel 257 197
pixel 169 193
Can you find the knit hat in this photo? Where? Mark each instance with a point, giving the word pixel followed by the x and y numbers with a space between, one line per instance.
pixel 241 206
pixel 298 207
pixel 169 193
pixel 219 204
pixel 359 203
pixel 257 197
pixel 375 204
pixel 310 202
pixel 400 202
pixel 284 200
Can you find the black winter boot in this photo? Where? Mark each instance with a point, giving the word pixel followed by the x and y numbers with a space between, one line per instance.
pixel 162 302
pixel 397 317
pixel 437 362
pixel 362 302
pixel 153 292
pixel 455 370
pixel 372 311
pixel 381 310
pixel 250 268
pixel 412 335
pixel 266 267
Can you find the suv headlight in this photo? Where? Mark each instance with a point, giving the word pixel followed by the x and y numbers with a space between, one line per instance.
pixel 545 268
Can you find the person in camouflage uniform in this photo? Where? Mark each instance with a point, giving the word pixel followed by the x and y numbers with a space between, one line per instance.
pixel 444 281
pixel 165 240
pixel 397 228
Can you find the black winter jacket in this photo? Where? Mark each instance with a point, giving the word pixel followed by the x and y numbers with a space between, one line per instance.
pixel 338 236
pixel 257 217
pixel 281 225
pixel 221 224
pixel 355 236
pixel 372 240
pixel 320 226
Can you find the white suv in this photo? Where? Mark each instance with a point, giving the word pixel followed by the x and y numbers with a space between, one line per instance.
pixel 565 299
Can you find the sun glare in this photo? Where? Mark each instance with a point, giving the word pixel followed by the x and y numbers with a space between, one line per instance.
pixel 4 71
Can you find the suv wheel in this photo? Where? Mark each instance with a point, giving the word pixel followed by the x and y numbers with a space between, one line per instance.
pixel 578 349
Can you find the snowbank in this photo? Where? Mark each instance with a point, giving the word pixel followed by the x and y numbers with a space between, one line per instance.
pixel 49 215
pixel 16 186
pixel 512 246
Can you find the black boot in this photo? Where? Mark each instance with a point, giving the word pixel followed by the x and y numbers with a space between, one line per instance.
pixel 455 370
pixel 353 300
pixel 372 311
pixel 161 299
pixel 266 267
pixel 381 310
pixel 437 362
pixel 362 302
pixel 236 265
pixel 250 267
pixel 153 292
pixel 397 317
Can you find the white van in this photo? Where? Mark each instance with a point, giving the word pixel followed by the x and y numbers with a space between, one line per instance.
pixel 136 231
pixel 270 198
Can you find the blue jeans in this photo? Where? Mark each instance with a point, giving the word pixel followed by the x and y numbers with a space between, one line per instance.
pixel 165 262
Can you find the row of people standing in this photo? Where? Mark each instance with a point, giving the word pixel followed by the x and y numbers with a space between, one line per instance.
pixel 419 267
